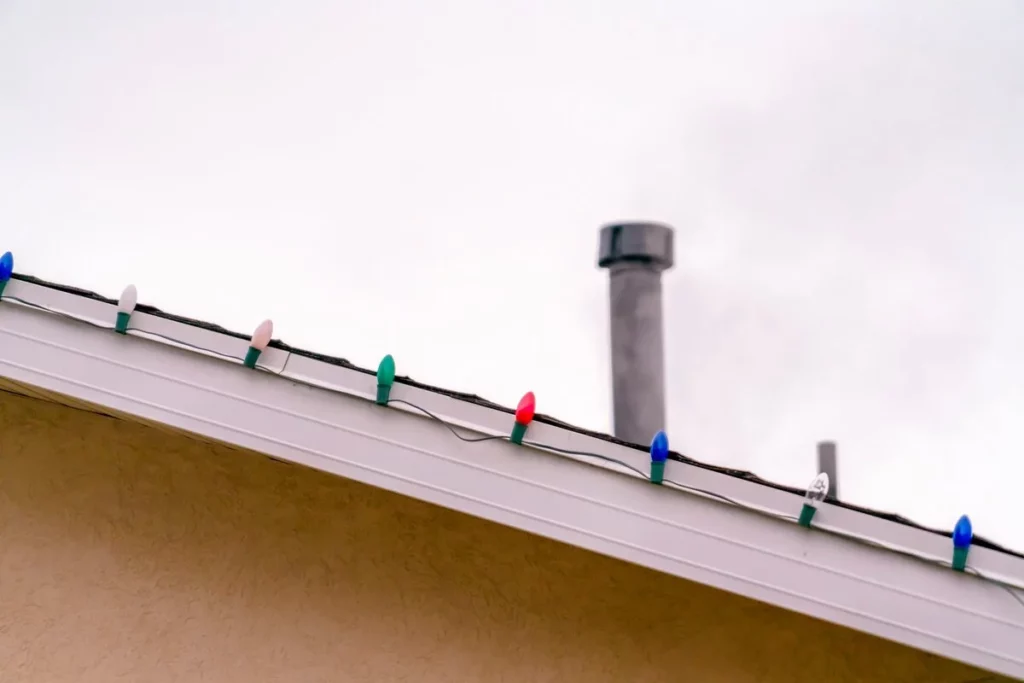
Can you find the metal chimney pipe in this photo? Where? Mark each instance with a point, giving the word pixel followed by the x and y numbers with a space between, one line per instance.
pixel 635 255
pixel 827 463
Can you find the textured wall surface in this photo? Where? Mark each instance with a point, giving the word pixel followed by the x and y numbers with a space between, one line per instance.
pixel 130 553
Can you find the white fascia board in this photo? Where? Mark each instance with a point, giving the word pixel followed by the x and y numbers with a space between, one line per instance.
pixel 340 430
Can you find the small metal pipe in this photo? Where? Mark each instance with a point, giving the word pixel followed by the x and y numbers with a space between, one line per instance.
pixel 635 255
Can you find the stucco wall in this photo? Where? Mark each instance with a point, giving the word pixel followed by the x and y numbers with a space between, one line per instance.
pixel 128 553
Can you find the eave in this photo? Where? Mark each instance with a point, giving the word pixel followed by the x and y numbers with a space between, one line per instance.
pixel 853 569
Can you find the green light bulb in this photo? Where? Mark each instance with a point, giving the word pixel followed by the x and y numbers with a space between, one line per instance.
pixel 385 378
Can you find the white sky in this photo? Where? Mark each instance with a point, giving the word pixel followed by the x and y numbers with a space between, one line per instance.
pixel 427 179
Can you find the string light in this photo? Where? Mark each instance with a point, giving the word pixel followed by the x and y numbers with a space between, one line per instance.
pixel 525 411
pixel 6 270
pixel 385 378
pixel 816 493
pixel 260 341
pixel 125 307
pixel 963 535
pixel 659 454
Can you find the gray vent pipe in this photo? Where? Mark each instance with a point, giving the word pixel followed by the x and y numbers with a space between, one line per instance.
pixel 635 255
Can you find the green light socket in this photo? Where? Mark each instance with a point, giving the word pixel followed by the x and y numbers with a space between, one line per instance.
pixel 806 515
pixel 960 558
pixel 251 356
pixel 518 432
pixel 121 326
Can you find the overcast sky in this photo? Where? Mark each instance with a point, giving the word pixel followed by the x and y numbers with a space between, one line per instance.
pixel 427 179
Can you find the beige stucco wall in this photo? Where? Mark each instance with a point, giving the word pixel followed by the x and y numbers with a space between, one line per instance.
pixel 128 553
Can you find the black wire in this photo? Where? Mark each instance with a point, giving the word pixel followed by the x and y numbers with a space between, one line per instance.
pixel 135 331
pixel 585 454
pixel 451 428
pixel 1016 595
pixel 712 494
pixel 62 314
pixel 496 437
pixel 534 444
pixel 146 333
pixel 287 359
pixel 566 451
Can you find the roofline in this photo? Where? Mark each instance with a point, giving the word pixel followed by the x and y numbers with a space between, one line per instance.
pixel 979 539
pixel 322 415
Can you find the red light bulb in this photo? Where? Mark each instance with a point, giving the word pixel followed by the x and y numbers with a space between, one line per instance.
pixel 526 409
pixel 524 416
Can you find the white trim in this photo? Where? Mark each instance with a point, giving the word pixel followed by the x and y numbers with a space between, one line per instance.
pixel 337 429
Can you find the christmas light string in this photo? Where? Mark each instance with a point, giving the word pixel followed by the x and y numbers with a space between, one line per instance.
pixel 816 493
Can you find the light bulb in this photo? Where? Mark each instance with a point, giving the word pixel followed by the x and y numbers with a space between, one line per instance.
pixel 816 493
pixel 526 409
pixel 6 266
pixel 818 490
pixel 659 447
pixel 129 299
pixel 385 378
pixel 261 337
pixel 659 454
pixel 6 269
pixel 125 308
pixel 963 535
pixel 524 416
pixel 258 344
pixel 386 370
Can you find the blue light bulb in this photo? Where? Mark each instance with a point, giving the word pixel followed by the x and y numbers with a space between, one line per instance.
pixel 6 266
pixel 963 533
pixel 659 447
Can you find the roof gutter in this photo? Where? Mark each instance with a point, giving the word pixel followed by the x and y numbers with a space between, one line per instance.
pixel 323 416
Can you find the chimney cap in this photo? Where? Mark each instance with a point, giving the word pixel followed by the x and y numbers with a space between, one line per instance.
pixel 637 242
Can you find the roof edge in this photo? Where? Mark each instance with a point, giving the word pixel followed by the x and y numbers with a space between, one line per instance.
pixel 867 573
pixel 337 361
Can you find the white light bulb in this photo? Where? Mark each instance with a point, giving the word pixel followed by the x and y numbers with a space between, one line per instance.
pixel 261 337
pixel 817 490
pixel 129 298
